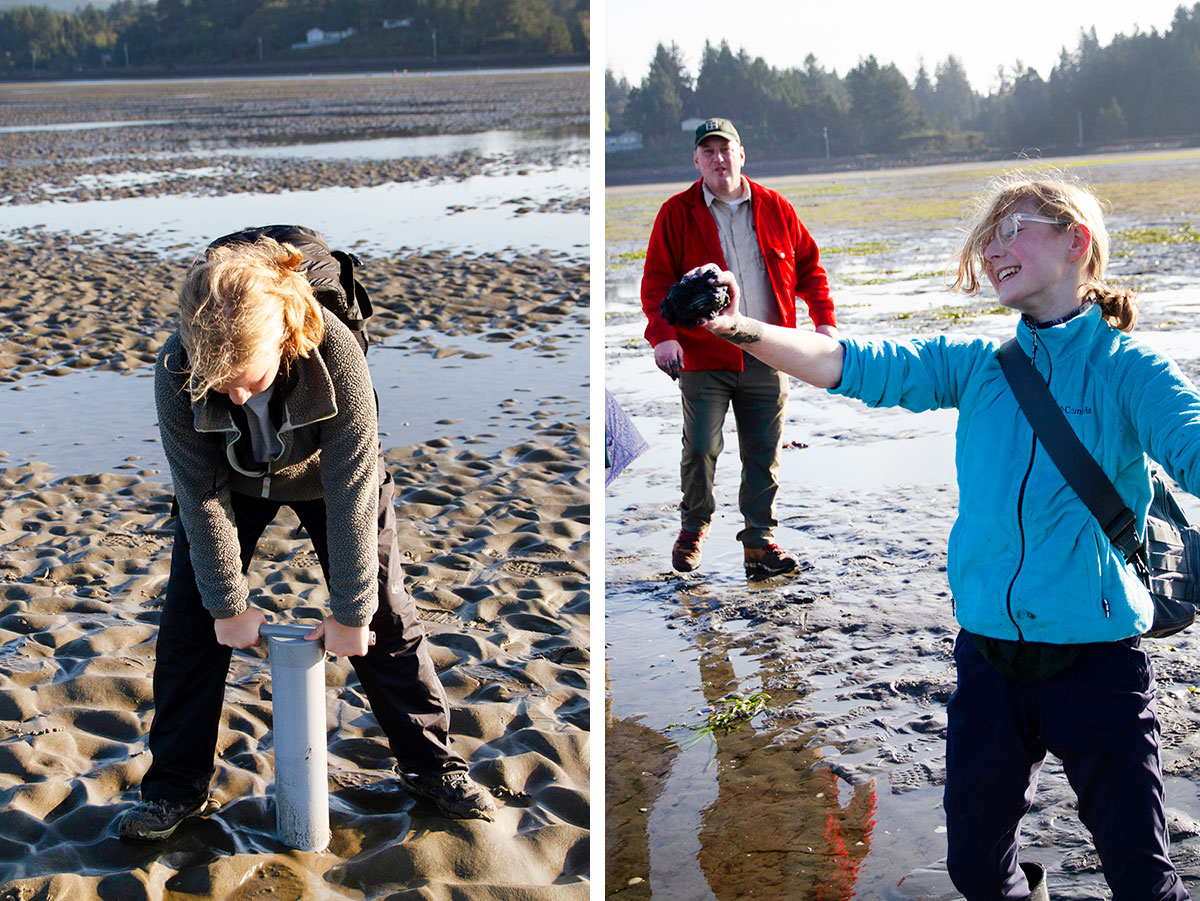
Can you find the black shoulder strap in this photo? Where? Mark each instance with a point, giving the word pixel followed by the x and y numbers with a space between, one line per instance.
pixel 1077 466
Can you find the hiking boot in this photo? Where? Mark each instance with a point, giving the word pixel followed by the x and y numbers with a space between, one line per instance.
pixel 1036 874
pixel 768 561
pixel 455 794
pixel 153 821
pixel 685 555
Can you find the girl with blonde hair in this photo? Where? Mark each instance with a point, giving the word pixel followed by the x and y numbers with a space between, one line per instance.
pixel 1051 615
pixel 264 400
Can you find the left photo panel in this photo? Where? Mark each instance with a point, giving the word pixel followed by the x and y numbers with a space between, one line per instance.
pixel 294 522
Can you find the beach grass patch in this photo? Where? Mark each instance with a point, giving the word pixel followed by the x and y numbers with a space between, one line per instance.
pixel 860 248
pixel 628 256
pixel 1149 235
pixel 866 280
pixel 951 313
pixel 729 715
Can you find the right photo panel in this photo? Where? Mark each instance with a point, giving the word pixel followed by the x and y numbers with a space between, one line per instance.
pixel 902 443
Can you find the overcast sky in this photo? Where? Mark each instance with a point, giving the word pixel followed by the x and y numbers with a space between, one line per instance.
pixel 984 35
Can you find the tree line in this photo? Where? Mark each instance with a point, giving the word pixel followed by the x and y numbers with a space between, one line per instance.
pixel 1144 86
pixel 170 33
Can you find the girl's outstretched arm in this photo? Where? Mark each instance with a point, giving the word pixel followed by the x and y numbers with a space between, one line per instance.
pixel 810 357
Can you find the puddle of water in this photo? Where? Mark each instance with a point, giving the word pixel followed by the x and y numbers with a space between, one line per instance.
pixel 457 398
pixel 484 143
pixel 479 215
pixel 83 126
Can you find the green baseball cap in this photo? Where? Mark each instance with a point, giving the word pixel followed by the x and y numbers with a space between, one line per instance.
pixel 720 127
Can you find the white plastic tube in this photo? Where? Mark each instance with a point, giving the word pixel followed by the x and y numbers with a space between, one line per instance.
pixel 301 758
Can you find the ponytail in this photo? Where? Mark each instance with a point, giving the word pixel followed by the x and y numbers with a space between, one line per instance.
pixel 1119 306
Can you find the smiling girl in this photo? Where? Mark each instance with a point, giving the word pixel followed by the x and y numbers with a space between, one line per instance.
pixel 1048 655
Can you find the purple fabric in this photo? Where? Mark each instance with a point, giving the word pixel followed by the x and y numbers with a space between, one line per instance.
pixel 622 441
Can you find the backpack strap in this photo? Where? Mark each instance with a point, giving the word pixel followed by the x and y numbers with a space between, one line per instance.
pixel 1077 466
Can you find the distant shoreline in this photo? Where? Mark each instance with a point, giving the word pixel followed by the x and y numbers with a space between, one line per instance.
pixel 309 67
pixel 623 176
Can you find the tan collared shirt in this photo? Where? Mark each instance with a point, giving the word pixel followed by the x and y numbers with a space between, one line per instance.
pixel 743 255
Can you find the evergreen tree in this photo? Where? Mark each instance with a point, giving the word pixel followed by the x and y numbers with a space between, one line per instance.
pixel 616 94
pixel 883 112
pixel 955 104
pixel 655 107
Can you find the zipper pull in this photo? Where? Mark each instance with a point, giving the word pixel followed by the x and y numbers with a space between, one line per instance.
pixel 266 488
pixel 1033 335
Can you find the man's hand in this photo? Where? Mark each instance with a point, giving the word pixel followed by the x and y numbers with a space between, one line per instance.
pixel 668 356
pixel 240 631
pixel 341 641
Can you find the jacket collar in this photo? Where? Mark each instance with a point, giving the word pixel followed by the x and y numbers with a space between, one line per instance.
pixel 1073 333
pixel 305 393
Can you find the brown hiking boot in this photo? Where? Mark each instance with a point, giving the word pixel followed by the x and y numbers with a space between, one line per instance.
pixel 685 555
pixel 762 562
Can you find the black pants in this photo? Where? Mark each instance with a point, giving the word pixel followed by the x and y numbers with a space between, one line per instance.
pixel 1099 717
pixel 191 667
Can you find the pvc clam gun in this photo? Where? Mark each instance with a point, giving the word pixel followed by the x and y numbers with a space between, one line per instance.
pixel 301 757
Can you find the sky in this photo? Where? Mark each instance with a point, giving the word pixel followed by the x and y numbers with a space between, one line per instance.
pixel 983 35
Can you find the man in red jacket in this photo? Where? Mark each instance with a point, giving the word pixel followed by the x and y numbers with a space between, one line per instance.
pixel 727 219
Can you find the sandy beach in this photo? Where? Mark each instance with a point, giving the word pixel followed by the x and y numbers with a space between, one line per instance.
pixel 833 789
pixel 492 507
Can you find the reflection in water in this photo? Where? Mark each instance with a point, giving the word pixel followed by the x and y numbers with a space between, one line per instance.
pixel 782 824
pixel 639 760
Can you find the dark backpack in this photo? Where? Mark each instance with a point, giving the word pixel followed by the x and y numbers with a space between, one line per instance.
pixel 330 272
pixel 1172 558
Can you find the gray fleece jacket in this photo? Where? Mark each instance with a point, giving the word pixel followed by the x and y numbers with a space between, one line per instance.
pixel 325 410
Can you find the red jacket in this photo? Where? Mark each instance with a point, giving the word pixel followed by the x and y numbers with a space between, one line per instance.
pixel 685 236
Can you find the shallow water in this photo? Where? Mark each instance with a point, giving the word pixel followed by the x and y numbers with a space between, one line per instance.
pixel 479 214
pixel 421 398
pixel 83 126
pixel 482 143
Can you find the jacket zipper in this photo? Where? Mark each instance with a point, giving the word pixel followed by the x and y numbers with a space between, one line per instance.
pixel 1020 528
pixel 1021 504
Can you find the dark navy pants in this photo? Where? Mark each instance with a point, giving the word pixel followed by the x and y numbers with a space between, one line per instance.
pixel 397 673
pixel 1099 717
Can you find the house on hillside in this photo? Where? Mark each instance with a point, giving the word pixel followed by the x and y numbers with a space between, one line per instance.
pixel 318 37
pixel 629 140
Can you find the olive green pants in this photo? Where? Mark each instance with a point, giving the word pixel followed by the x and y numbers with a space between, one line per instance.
pixel 758 395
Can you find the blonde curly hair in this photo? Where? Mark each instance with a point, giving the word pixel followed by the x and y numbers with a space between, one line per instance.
pixel 1055 197
pixel 233 299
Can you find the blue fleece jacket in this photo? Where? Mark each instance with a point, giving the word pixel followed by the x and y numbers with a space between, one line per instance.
pixel 1027 559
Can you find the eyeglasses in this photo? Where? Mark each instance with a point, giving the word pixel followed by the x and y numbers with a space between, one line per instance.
pixel 1009 227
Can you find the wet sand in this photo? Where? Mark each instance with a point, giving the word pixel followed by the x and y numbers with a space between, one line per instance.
pixel 834 789
pixel 189 136
pixel 496 553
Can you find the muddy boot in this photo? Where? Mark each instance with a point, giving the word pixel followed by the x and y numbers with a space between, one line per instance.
pixel 1036 874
